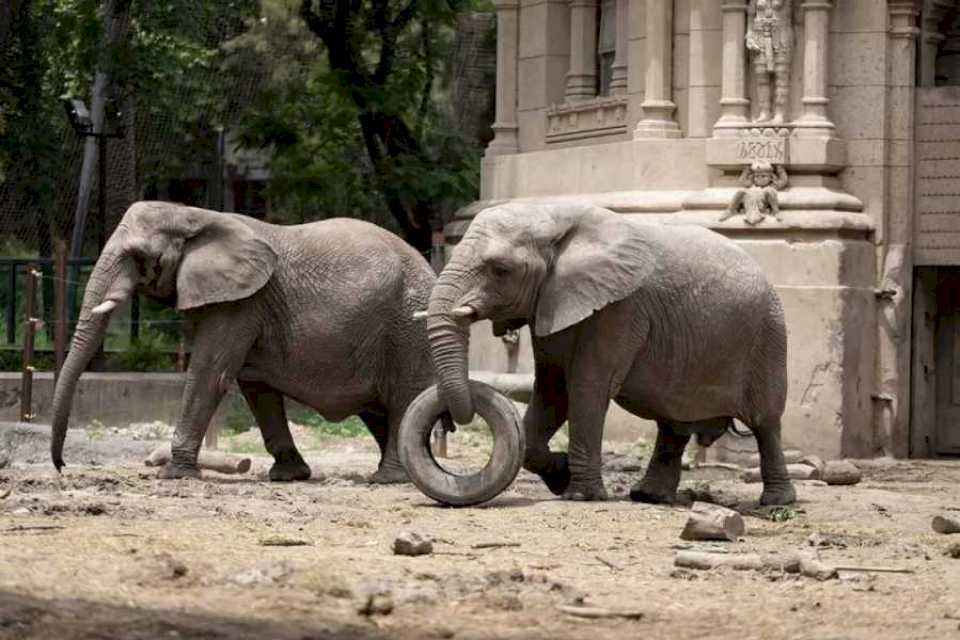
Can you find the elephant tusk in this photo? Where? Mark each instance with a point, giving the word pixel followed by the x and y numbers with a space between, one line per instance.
pixel 104 307
pixel 419 315
pixel 463 312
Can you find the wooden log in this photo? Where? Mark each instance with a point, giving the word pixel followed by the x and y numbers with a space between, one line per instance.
pixel 813 461
pixel 794 472
pixel 212 460
pixel 790 456
pixel 754 562
pixel 841 472
pixel 946 524
pixel 712 522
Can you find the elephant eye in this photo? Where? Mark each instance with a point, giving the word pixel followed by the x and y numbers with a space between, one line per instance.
pixel 499 269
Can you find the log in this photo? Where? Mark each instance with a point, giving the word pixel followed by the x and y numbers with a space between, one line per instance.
pixel 712 522
pixel 816 462
pixel 796 471
pixel 212 460
pixel 754 562
pixel 946 524
pixel 841 472
pixel 790 456
pixel 599 612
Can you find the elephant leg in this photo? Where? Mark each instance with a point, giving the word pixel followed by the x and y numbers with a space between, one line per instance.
pixel 588 411
pixel 389 470
pixel 777 488
pixel 546 413
pixel 213 364
pixel 659 483
pixel 267 406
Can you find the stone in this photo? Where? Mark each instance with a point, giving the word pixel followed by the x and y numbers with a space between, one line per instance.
pixel 946 524
pixel 376 604
pixel 409 543
pixel 712 522
pixel 841 472
pixel 953 551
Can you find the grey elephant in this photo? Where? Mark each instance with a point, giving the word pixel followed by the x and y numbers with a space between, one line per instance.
pixel 674 323
pixel 321 313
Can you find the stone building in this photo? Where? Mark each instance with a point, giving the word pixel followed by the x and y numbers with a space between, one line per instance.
pixel 665 109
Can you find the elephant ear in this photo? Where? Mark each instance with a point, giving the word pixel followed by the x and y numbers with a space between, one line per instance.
pixel 224 261
pixel 600 259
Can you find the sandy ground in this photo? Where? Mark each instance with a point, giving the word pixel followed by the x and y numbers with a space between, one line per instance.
pixel 110 552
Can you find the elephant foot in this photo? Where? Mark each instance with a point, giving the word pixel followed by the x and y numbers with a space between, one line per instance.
pixel 171 471
pixel 650 493
pixel 586 491
pixel 390 474
pixel 557 474
pixel 778 494
pixel 289 471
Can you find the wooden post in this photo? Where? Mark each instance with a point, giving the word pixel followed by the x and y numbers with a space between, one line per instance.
pixel 60 315
pixel 30 329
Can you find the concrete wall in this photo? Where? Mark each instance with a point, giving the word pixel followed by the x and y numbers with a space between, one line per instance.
pixel 114 399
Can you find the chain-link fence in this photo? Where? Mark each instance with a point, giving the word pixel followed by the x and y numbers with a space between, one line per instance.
pixel 186 80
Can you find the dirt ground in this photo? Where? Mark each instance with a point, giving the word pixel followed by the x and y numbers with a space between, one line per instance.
pixel 110 552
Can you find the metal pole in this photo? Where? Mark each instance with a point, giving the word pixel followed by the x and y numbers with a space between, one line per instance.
pixel 26 381
pixel 61 317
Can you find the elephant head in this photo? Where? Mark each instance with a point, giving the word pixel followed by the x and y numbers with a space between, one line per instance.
pixel 549 265
pixel 190 257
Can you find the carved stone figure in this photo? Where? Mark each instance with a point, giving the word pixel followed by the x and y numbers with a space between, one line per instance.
pixel 618 310
pixel 758 198
pixel 320 312
pixel 770 42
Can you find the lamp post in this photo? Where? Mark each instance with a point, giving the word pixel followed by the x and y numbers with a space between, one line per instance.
pixel 82 123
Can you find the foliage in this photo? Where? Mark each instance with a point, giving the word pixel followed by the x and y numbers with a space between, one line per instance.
pixel 150 353
pixel 359 117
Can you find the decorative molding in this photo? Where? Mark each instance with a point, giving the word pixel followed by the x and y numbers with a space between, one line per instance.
pixel 588 119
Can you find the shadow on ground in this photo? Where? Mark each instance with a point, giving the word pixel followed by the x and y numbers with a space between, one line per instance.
pixel 24 617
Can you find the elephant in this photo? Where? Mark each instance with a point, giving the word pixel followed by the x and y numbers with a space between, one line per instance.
pixel 675 323
pixel 321 313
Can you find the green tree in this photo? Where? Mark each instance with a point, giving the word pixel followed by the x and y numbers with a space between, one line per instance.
pixel 385 58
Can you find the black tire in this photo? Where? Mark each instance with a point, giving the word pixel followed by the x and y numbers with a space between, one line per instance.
pixel 450 488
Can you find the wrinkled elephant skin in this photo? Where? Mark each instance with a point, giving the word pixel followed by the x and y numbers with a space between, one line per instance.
pixel 320 312
pixel 675 323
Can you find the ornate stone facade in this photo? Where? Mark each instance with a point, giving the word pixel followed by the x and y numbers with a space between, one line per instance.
pixel 700 90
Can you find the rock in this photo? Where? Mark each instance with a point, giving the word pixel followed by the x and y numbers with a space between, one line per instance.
pixel 283 541
pixel 953 551
pixel 816 569
pixel 712 522
pixel 21 511
pixel 376 604
pixel 841 472
pixel 412 544
pixel 265 573
pixel 818 539
pixel 946 524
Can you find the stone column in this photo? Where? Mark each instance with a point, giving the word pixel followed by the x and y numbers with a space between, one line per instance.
pixel 892 405
pixel 658 108
pixel 505 127
pixel 618 83
pixel 582 77
pixel 734 106
pixel 814 122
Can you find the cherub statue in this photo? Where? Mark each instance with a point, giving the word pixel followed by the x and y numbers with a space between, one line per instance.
pixel 759 197
pixel 770 41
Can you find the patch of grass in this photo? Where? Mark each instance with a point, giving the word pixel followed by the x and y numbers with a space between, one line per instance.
pixel 784 514
pixel 352 427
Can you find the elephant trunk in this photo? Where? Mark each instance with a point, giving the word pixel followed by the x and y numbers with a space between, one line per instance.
pixel 449 338
pixel 110 283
